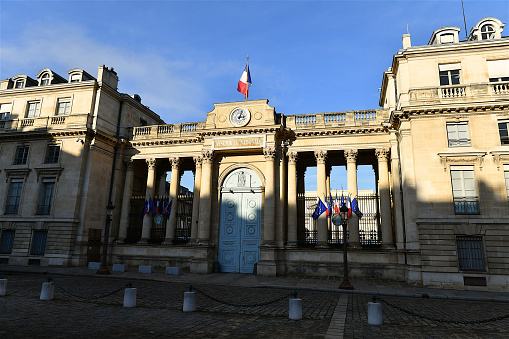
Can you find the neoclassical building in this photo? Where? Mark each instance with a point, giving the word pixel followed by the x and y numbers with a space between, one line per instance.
pixel 438 147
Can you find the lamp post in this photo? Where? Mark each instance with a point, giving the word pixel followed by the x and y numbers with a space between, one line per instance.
pixel 104 268
pixel 345 284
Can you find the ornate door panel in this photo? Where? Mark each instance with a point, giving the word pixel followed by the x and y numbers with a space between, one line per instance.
pixel 250 231
pixel 229 235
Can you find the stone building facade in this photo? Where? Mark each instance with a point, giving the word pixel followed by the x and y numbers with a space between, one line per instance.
pixel 438 147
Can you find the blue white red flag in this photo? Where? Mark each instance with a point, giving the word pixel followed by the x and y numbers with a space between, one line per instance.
pixel 245 82
pixel 145 209
pixel 168 209
pixel 336 207
pixel 349 205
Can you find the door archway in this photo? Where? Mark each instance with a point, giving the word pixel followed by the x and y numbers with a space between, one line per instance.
pixel 240 221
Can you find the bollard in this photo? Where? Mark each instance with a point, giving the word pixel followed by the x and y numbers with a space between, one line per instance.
pixel 3 287
pixel 47 290
pixel 130 297
pixel 189 302
pixel 374 313
pixel 295 312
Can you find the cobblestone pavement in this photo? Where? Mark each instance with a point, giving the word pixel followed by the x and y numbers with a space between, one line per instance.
pixel 160 297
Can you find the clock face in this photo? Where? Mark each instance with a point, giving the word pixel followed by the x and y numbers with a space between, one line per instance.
pixel 240 116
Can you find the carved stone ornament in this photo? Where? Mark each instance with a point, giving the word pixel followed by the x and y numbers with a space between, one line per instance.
pixel 175 163
pixel 197 161
pixel 351 155
pixel 151 163
pixel 320 156
pixel 269 153
pixel 49 172
pixel 500 158
pixel 292 156
pixel 16 173
pixel 382 154
pixel 468 158
pixel 129 164
pixel 207 157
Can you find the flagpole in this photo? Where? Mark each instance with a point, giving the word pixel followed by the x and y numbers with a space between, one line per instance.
pixel 247 80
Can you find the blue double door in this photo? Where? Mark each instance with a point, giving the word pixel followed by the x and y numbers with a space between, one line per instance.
pixel 239 231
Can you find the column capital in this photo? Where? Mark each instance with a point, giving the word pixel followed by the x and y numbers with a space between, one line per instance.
pixel 269 153
pixel 351 155
pixel 197 161
pixel 292 157
pixel 151 163
pixel 129 164
pixel 207 157
pixel 382 154
pixel 175 163
pixel 320 156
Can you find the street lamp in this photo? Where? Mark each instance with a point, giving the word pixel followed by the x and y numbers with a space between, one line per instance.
pixel 104 268
pixel 345 284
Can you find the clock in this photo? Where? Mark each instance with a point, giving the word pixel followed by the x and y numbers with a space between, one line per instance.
pixel 240 116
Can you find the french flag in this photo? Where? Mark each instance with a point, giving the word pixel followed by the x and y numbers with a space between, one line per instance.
pixel 244 82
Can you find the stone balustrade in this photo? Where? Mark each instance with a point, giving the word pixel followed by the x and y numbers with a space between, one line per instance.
pixel 45 123
pixel 461 93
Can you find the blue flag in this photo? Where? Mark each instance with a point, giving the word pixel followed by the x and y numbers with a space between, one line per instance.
pixel 168 209
pixel 145 209
pixel 355 208
pixel 320 208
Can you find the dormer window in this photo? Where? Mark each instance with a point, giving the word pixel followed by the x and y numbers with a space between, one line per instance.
pixel 75 78
pixel 487 32
pixel 447 38
pixel 45 79
pixel 19 84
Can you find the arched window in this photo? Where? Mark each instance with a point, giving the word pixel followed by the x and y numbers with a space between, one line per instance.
pixel 45 79
pixel 487 32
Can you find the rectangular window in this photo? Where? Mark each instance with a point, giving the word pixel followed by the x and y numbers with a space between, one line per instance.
pixel 6 241
pixel 63 106
pixel 143 122
pixel 14 196
pixel 498 70
pixel 21 155
pixel 470 253
pixel 46 196
pixel 75 78
pixel 33 109
pixel 52 154
pixel 464 190
pixel 39 243
pixel 19 84
pixel 457 134
pixel 449 74
pixel 5 111
pixel 503 128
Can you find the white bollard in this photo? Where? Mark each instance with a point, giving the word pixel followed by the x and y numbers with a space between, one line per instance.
pixel 130 297
pixel 47 290
pixel 295 312
pixel 189 302
pixel 3 287
pixel 374 313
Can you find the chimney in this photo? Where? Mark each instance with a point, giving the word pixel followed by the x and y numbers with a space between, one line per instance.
pixel 7 83
pixel 406 41
pixel 108 75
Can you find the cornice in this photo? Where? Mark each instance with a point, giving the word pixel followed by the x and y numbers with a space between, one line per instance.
pixel 479 109
pixel 162 142
pixel 346 131
pixel 49 88
pixel 462 158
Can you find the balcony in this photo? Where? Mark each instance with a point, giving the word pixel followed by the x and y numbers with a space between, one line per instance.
pixel 45 123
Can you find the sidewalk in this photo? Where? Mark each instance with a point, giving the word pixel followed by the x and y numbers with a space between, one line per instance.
pixel 298 282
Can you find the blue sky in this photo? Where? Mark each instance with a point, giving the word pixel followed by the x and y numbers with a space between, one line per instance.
pixel 181 57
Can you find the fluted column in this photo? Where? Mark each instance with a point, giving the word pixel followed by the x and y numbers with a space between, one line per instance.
pixel 301 204
pixel 321 191
pixel 292 198
pixel 205 198
pixel 126 201
pixel 385 199
pixel 270 199
pixel 196 199
pixel 174 191
pixel 149 192
pixel 353 222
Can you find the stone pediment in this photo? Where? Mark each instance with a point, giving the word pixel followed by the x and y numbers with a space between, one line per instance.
pixel 241 114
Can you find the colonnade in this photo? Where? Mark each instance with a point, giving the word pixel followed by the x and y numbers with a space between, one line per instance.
pixel 203 185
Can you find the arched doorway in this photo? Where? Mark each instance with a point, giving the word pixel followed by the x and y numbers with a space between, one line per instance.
pixel 240 221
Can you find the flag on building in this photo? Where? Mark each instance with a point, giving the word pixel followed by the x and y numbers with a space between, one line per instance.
pixel 320 208
pixel 336 206
pixel 168 209
pixel 145 209
pixel 349 205
pixel 245 81
pixel 157 201
pixel 151 205
pixel 355 208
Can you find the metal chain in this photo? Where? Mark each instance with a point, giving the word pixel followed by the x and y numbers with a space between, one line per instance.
pixel 294 293
pixel 464 322
pixel 89 298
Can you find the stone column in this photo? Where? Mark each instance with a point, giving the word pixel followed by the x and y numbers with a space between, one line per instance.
pixel 196 199
pixel 301 223
pixel 321 191
pixel 292 198
pixel 161 188
pixel 385 198
pixel 353 222
pixel 270 199
pixel 149 193
pixel 126 201
pixel 396 192
pixel 205 198
pixel 174 192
